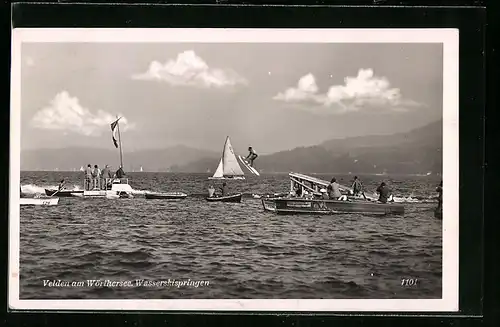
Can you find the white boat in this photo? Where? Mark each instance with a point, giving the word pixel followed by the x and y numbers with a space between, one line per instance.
pixel 42 201
pixel 118 186
pixel 228 168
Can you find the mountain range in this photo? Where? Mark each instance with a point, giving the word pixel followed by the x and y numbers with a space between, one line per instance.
pixel 67 159
pixel 413 152
pixel 418 151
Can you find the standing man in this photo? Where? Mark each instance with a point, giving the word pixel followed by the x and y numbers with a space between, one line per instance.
pixel 106 175
pixel 96 173
pixel 88 177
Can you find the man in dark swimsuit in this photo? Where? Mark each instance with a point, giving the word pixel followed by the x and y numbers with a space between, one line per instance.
pixel 251 156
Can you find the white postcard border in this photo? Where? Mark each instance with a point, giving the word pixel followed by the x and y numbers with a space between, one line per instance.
pixel 449 39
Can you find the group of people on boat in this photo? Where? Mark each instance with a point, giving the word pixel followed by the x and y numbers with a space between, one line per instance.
pixel 97 179
pixel 333 191
pixel 222 189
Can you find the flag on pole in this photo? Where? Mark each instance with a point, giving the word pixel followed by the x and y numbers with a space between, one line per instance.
pixel 113 131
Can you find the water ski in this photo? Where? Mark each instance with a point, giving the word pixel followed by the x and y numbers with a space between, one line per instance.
pixel 253 170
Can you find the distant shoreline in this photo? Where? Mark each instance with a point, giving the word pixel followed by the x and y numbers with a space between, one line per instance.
pixel 262 173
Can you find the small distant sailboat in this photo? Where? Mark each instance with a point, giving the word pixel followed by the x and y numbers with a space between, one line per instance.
pixel 81 168
pixel 229 167
pixel 141 170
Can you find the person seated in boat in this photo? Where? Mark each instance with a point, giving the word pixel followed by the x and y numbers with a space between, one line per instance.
pixel 120 173
pixel 211 191
pixel 334 189
pixel 357 187
pixel 298 191
pixel 96 173
pixel 439 190
pixel 223 189
pixel 384 192
pixel 324 194
pixel 106 178
pixel 88 177
pixel 251 156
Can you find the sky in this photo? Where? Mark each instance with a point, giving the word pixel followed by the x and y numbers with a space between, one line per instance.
pixel 273 97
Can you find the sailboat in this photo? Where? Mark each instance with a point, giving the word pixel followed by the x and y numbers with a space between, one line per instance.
pixel 81 168
pixel 141 170
pixel 228 168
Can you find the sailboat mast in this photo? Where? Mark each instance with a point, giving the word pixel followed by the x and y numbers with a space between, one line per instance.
pixel 120 142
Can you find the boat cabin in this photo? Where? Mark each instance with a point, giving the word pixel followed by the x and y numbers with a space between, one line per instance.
pixel 107 186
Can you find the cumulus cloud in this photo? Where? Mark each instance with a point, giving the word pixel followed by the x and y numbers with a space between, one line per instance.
pixel 189 69
pixel 360 92
pixel 65 113
pixel 306 90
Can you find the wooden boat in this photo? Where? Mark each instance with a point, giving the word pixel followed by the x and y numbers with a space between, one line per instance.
pixel 228 167
pixel 41 201
pixel 349 204
pixel 226 198
pixel 165 196
pixel 321 206
pixel 64 193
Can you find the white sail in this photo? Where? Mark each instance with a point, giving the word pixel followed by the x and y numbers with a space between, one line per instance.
pixel 219 173
pixel 230 164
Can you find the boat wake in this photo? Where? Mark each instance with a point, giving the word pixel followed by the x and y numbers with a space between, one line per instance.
pixel 140 192
pixel 34 189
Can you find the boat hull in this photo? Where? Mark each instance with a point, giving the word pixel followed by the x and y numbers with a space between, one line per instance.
pixel 62 194
pixel 165 196
pixel 39 201
pixel 319 206
pixel 227 198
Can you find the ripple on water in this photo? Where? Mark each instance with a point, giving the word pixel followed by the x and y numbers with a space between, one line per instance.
pixel 241 250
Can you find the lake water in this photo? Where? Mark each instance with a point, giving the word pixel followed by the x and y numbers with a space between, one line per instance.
pixel 240 250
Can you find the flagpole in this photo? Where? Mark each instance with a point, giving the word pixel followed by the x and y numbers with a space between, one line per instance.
pixel 119 142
